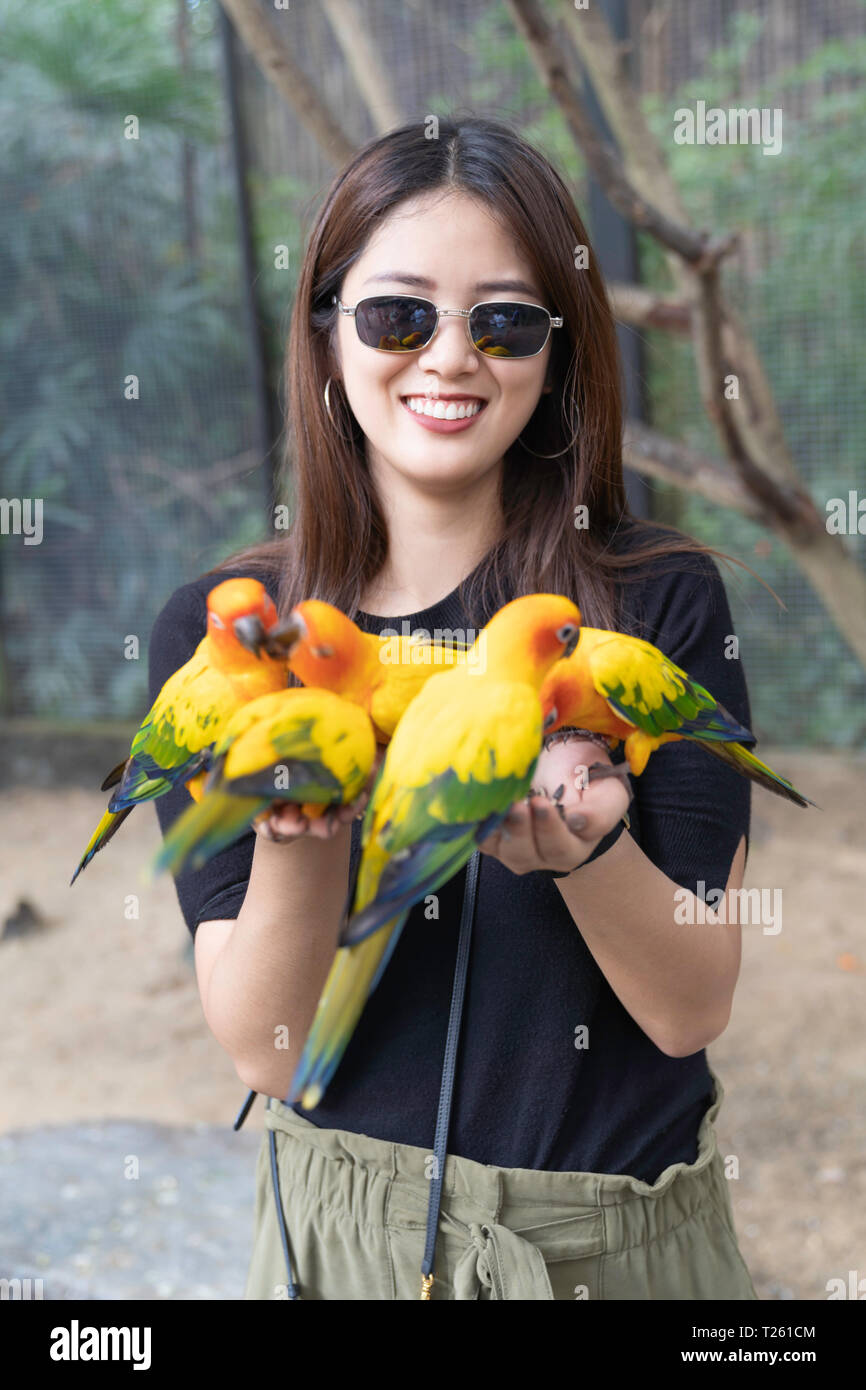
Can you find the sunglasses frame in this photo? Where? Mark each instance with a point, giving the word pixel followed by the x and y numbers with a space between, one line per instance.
pixel 553 322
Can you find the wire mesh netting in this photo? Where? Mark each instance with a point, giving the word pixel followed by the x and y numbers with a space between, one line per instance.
pixel 128 384
pixel 797 279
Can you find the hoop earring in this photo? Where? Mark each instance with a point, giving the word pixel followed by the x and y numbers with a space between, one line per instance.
pixel 328 402
pixel 327 396
pixel 568 446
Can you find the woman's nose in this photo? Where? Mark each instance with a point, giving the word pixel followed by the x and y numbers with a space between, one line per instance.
pixel 450 349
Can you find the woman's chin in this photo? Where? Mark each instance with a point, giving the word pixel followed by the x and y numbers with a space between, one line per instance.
pixel 437 474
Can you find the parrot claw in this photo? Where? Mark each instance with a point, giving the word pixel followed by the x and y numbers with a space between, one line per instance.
pixel 599 770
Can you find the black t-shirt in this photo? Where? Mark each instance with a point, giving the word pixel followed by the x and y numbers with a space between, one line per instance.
pixel 525 1095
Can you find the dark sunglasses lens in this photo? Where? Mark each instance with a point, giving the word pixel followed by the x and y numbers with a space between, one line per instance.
pixel 509 330
pixel 395 323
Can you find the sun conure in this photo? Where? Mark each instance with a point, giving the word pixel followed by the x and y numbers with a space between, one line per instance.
pixel 625 688
pixel 300 745
pixel 381 674
pixel 462 754
pixel 230 666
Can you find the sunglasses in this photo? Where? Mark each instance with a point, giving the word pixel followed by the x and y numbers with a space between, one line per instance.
pixel 403 323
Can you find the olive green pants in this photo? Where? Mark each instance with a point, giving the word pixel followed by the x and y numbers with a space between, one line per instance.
pixel 356 1210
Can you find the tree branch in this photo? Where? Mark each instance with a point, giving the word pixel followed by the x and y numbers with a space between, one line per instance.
pixel 279 68
pixel 372 81
pixel 692 246
pixel 643 308
pixel 649 452
pixel 755 412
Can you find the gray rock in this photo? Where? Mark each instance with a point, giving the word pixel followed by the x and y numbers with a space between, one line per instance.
pixel 123 1209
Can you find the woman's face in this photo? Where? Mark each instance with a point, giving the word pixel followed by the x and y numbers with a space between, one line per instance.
pixel 463 256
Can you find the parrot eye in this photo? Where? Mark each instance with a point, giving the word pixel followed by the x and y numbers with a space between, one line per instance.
pixel 568 635
pixel 551 717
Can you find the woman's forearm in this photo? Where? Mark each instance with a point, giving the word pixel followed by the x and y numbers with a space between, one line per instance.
pixel 265 983
pixel 676 981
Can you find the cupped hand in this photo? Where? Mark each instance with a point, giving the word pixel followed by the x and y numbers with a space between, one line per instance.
pixel 573 804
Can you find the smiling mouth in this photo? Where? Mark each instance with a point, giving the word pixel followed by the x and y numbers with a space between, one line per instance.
pixel 435 408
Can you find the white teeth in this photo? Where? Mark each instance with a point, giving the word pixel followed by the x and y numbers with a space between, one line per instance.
pixel 439 410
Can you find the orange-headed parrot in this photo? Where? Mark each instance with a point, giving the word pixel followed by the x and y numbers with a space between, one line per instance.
pixel 230 666
pixel 625 688
pixel 381 674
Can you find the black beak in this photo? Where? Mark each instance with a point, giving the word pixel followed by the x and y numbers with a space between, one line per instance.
pixel 282 639
pixel 250 632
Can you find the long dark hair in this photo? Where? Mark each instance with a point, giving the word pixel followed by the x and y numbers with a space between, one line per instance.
pixel 338 541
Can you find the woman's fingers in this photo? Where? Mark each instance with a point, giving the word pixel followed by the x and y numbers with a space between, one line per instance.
pixel 591 812
pixel 543 832
pixel 514 843
pixel 284 821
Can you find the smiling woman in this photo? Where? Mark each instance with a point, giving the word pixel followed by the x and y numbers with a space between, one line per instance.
pixel 454 393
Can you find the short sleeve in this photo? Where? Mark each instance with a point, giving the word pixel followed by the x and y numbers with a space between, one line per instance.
pixel 693 808
pixel 218 889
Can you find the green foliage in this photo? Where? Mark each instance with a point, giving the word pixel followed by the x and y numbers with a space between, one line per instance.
pixel 100 284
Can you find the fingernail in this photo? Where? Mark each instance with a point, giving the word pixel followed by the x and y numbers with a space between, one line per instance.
pixel 541 811
pixel 576 822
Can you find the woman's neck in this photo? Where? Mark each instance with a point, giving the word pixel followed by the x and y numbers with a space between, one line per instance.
pixel 433 543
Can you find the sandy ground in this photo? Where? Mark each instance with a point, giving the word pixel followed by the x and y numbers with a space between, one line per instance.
pixel 100 1016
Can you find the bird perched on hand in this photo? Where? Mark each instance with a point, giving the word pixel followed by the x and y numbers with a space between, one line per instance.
pixel 625 688
pixel 300 745
pixel 462 754
pixel 230 666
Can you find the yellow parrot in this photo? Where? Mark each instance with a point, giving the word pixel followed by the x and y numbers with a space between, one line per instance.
pixel 462 754
pixel 625 688
pixel 231 665
pixel 300 745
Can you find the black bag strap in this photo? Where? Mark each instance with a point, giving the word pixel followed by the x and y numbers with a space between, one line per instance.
pixel 446 1092
pixel 443 1117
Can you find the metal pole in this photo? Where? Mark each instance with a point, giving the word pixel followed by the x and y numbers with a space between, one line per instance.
pixel 267 426
pixel 616 245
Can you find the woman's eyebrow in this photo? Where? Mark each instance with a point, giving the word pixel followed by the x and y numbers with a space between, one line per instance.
pixel 423 283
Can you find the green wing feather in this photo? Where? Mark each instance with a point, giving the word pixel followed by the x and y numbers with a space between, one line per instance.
pixel 650 691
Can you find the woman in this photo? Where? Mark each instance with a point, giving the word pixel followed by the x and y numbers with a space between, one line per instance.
pixel 582 1160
